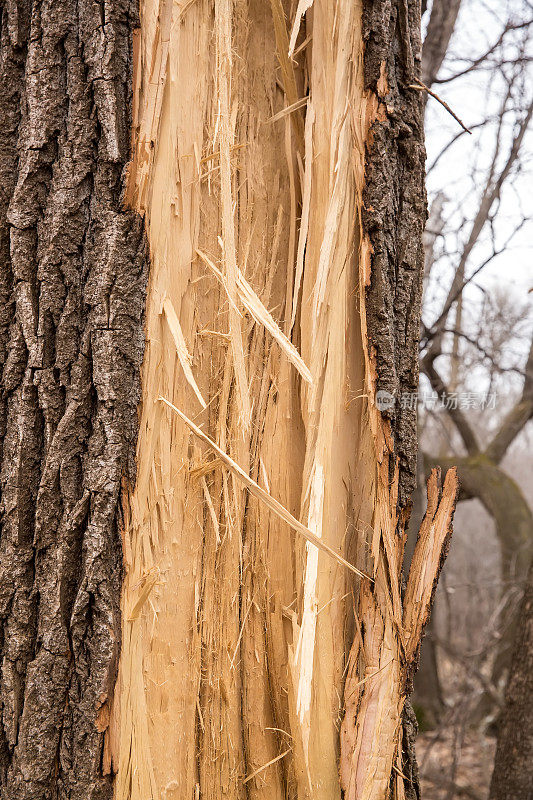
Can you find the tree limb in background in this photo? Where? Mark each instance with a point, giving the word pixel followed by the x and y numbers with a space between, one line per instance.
pixel 516 419
pixel 461 423
pixel 439 32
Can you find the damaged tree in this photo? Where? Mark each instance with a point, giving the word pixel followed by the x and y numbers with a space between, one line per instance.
pixel 224 615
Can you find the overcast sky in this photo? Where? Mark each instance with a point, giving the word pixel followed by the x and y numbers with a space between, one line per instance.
pixel 461 171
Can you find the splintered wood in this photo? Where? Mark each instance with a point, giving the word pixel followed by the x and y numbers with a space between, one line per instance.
pixel 266 646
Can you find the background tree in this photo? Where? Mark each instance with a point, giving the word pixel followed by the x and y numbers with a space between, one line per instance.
pixel 513 773
pixel 476 341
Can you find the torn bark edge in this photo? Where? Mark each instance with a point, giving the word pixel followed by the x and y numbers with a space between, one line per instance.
pixel 390 646
pixel 428 559
pixel 448 499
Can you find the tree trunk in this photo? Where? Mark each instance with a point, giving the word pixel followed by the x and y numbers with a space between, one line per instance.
pixel 513 764
pixel 235 627
pixel 504 500
pixel 428 700
pixel 72 294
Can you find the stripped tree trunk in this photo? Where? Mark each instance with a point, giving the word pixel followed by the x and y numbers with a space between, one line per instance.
pixel 236 627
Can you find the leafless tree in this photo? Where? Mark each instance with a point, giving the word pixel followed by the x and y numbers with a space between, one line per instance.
pixel 476 338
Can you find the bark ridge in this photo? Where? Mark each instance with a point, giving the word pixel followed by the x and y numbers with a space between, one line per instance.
pixel 72 285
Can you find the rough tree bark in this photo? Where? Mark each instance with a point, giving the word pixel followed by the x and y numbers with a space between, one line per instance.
pixel 72 294
pixel 181 638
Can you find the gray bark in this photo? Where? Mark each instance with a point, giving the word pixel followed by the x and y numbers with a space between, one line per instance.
pixel 394 216
pixel 72 280
pixel 395 212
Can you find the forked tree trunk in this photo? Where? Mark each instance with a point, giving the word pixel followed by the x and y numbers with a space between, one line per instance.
pixel 195 641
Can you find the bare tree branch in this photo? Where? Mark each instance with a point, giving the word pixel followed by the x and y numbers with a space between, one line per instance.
pixel 427 330
pixel 446 783
pixel 483 58
pixel 461 423
pixel 490 195
pixel 434 228
pixel 484 353
pixel 452 142
pixel 471 669
pixel 422 87
pixel 517 418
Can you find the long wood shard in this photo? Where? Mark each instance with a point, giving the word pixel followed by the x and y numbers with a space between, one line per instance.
pixel 262 316
pixel 428 558
pixel 181 347
pixel 371 729
pixel 263 495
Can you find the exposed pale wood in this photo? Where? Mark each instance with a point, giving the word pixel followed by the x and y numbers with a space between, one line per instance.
pixel 370 736
pixel 250 169
pixel 264 496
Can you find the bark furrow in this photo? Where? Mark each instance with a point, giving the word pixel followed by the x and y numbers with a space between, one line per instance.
pixel 72 289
